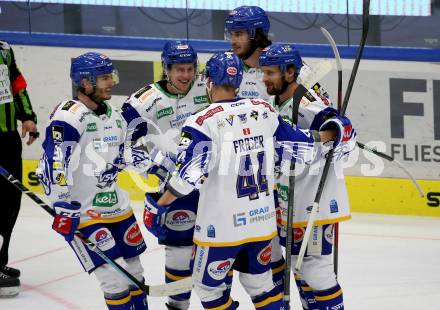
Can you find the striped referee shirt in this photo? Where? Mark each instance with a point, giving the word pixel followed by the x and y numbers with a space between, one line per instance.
pixel 14 100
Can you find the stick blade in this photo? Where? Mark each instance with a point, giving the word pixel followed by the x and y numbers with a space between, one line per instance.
pixel 173 288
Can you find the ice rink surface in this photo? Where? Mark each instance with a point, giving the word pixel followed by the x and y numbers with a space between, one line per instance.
pixel 385 262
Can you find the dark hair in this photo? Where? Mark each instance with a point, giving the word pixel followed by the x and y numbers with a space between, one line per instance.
pixel 261 39
pixel 295 75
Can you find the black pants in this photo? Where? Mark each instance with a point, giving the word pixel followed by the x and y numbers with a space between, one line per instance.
pixel 10 197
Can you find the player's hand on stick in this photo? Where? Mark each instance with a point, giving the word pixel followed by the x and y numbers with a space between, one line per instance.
pixel 66 218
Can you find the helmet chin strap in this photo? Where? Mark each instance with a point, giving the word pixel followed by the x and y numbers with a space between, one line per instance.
pixel 209 92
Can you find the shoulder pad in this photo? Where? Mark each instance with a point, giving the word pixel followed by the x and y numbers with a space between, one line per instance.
pixel 70 106
pixel 142 91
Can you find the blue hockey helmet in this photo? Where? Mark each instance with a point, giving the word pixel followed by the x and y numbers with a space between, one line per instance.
pixel 178 52
pixel 224 69
pixel 247 18
pixel 91 65
pixel 281 55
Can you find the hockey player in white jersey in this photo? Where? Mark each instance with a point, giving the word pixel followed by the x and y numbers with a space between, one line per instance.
pixel 317 282
pixel 247 28
pixel 83 152
pixel 226 152
pixel 161 109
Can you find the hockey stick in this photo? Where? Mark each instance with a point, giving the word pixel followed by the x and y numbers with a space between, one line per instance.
pixel 310 223
pixel 173 288
pixel 317 73
pixel 391 159
pixel 339 68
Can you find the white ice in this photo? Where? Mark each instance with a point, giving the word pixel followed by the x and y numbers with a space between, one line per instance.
pixel 385 262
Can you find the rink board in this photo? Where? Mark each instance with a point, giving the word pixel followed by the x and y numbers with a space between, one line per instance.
pixel 367 194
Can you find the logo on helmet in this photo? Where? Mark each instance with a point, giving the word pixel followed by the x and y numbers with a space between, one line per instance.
pixel 231 71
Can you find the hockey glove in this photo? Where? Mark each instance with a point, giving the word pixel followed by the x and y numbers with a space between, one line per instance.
pixel 154 217
pixel 344 128
pixel 66 219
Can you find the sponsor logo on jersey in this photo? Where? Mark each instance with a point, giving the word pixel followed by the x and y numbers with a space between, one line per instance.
pixel 83 116
pixel 263 103
pixel 180 119
pixel 218 269
pixel 333 206
pixel 133 235
pixel 208 114
pixel 91 127
pixel 108 127
pixel 249 94
pixel 246 131
pixel 165 112
pixel 103 239
pixel 210 231
pixel 242 118
pixel 220 124
pixel 265 255
pixel 180 220
pixel 231 70
pixel 58 134
pixel 265 115
pixel 250 83
pixel 108 139
pixel 105 199
pixel 254 115
pixel 118 123
pixel 283 192
pixel 237 104
pixel 230 119
pixel 239 219
pixel 298 234
pixel 200 99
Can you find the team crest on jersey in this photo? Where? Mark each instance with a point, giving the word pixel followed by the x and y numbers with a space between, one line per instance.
pixel 254 115
pixel 58 134
pixel 242 118
pixel 230 119
pixel 218 269
pixel 185 138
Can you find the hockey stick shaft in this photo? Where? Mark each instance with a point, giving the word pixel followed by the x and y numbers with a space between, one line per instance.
pixel 159 290
pixel 310 223
pixel 339 68
pixel 391 159
pixel 322 69
pixel 78 234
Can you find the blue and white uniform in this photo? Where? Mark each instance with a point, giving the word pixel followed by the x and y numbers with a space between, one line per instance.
pixel 227 154
pixel 161 116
